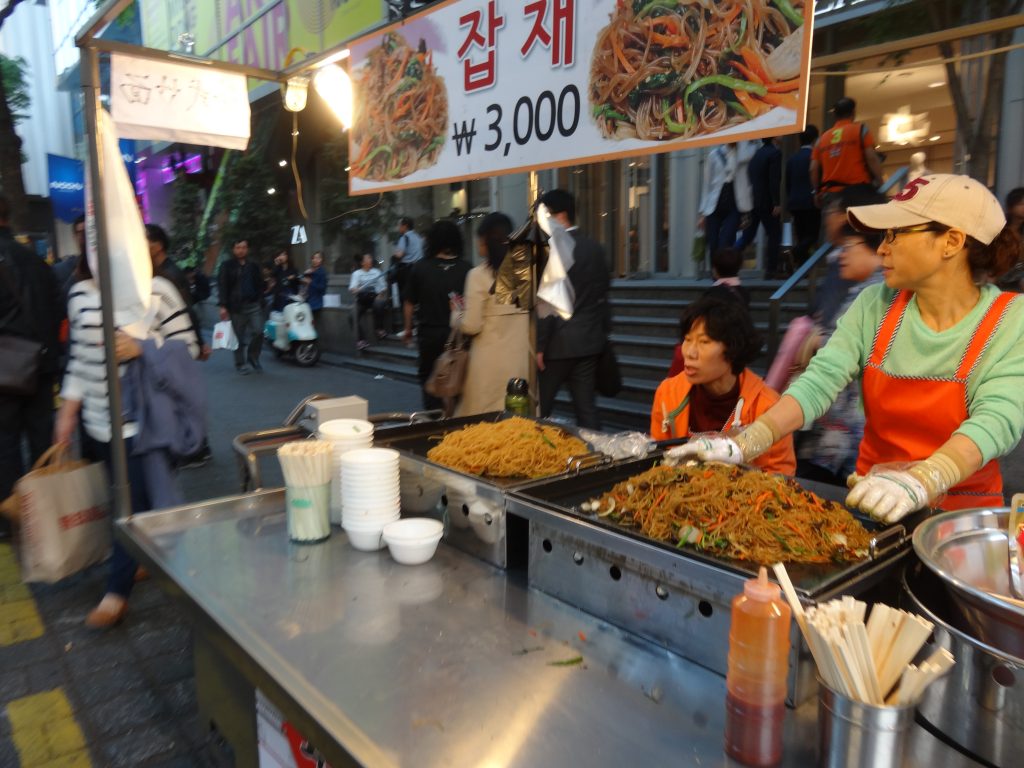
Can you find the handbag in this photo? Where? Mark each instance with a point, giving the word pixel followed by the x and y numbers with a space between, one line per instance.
pixel 609 378
pixel 448 375
pixel 20 357
pixel 65 517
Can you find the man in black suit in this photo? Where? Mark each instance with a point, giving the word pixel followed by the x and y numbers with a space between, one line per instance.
pixel 765 172
pixel 800 196
pixel 569 350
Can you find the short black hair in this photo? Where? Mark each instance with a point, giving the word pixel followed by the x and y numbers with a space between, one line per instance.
pixel 727 262
pixel 156 234
pixel 560 201
pixel 494 230
pixel 5 208
pixel 444 237
pixel 238 240
pixel 79 219
pixel 727 322
pixel 1013 197
pixel 809 135
pixel 845 107
pixel 406 221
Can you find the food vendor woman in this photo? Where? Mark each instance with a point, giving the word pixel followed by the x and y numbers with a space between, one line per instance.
pixel 716 392
pixel 938 350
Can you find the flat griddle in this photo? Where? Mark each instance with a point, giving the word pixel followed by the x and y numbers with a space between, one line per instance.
pixel 564 496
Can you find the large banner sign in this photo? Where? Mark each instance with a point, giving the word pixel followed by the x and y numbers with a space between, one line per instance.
pixel 482 87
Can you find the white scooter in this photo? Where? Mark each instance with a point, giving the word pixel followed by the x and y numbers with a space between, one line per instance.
pixel 291 332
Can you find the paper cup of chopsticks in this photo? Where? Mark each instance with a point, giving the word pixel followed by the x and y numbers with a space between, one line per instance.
pixel 869 685
pixel 306 465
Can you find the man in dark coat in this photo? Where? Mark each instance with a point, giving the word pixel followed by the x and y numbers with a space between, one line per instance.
pixel 240 285
pixel 569 350
pixel 800 196
pixel 765 173
pixel 30 307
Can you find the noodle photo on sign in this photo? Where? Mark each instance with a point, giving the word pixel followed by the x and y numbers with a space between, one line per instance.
pixel 675 69
pixel 402 111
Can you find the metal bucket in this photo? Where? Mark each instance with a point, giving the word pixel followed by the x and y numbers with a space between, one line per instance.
pixel 980 703
pixel 852 734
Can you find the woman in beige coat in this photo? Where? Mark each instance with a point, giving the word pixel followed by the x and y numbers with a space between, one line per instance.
pixel 500 348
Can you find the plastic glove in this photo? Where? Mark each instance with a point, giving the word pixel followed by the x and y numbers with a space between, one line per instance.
pixel 713 448
pixel 889 495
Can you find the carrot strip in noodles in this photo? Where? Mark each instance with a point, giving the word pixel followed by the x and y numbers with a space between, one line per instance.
pixel 784 86
pixel 754 62
pixel 749 103
pixel 788 100
pixel 621 56
pixel 747 72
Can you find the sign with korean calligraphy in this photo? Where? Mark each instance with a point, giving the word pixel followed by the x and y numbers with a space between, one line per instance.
pixel 474 88
pixel 178 102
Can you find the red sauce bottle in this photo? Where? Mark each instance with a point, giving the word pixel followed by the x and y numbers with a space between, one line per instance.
pixel 755 701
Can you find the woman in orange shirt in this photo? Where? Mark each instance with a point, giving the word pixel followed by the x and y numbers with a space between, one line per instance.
pixel 716 392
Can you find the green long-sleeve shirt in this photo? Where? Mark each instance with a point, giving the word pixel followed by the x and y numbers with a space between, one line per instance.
pixel 995 389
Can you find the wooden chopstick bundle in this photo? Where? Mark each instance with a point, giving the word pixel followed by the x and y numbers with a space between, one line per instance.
pixel 868 662
pixel 306 464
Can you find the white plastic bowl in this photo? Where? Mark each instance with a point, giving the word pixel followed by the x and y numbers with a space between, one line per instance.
pixel 366 538
pixel 414 540
pixel 346 429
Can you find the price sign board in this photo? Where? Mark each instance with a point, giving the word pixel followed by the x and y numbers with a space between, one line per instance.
pixel 476 88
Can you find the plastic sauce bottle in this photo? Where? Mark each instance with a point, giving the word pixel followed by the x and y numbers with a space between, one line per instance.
pixel 517 398
pixel 755 700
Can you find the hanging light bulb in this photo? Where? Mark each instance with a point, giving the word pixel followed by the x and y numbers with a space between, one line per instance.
pixel 295 93
pixel 335 88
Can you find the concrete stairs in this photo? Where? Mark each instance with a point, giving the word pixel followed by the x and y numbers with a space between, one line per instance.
pixel 645 330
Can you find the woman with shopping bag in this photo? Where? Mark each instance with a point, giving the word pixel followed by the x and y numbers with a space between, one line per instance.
pixel 84 394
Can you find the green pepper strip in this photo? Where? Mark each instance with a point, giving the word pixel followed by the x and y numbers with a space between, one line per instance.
pixel 667 4
pixel 374 153
pixel 725 80
pixel 736 107
pixel 791 13
pixel 603 110
pixel 739 38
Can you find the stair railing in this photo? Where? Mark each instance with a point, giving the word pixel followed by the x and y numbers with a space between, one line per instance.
pixel 775 302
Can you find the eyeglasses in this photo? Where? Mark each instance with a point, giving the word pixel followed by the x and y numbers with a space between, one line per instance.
pixel 890 234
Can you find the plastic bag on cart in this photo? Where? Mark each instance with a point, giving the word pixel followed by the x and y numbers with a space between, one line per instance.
pixel 224 336
pixel 622 445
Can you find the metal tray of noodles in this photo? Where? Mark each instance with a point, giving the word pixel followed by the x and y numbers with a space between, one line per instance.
pixel 472 505
pixel 565 496
pixel 968 550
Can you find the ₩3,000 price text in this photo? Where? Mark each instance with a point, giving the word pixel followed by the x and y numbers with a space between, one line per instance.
pixel 542 117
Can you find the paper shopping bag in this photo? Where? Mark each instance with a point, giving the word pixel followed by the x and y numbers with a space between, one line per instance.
pixel 224 336
pixel 65 517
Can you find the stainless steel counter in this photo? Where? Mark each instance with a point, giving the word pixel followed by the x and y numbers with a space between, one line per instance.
pixel 452 663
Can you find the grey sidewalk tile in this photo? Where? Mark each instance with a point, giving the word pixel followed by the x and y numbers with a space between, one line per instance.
pixel 169 639
pixel 29 652
pixel 8 754
pixel 45 676
pixel 124 713
pixel 13 685
pixel 170 667
pixel 108 685
pixel 134 748
pixel 180 697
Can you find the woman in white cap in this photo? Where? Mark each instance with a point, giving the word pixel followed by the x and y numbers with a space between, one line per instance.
pixel 939 351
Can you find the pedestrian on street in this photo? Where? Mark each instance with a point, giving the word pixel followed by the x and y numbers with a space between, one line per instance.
pixel 84 393
pixel 800 197
pixel 315 281
pixel 408 250
pixel 845 156
pixel 240 287
pixel 30 308
pixel 370 288
pixel 727 198
pixel 434 282
pixel 64 270
pixel 285 279
pixel 500 348
pixel 568 350
pixel 765 172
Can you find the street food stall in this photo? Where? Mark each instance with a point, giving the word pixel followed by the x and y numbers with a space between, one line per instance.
pixel 544 631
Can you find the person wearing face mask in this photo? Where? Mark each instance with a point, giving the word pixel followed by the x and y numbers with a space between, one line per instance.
pixel 939 351
pixel 716 391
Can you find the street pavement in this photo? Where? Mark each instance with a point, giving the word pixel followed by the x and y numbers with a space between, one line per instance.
pixel 71 697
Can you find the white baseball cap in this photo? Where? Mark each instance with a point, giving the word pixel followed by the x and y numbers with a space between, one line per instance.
pixel 958 202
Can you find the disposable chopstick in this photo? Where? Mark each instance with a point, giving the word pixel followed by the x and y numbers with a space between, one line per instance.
pixel 914 631
pixel 814 643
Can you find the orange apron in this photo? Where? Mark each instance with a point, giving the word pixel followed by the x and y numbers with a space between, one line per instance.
pixel 908 418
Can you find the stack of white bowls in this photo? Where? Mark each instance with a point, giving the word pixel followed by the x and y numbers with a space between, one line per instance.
pixel 344 435
pixel 370 495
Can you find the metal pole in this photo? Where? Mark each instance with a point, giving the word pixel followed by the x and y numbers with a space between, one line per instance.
pixel 90 73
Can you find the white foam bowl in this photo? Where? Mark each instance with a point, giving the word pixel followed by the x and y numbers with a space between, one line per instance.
pixel 414 540
pixel 366 538
pixel 346 429
pixel 364 458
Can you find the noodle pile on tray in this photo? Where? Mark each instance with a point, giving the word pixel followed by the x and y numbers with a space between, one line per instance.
pixel 672 69
pixel 402 112
pixel 514 447
pixel 737 513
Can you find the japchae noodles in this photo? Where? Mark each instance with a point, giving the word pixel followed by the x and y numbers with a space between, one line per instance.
pixel 673 69
pixel 733 512
pixel 402 112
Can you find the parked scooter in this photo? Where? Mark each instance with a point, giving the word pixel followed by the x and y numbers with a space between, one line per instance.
pixel 291 332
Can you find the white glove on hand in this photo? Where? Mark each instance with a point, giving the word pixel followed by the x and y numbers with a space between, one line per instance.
pixel 706 449
pixel 888 496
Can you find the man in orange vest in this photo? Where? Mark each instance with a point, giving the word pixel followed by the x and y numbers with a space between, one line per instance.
pixel 844 156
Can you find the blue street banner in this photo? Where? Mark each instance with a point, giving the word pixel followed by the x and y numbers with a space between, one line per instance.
pixel 67 187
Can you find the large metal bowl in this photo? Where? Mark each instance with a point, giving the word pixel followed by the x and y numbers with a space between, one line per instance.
pixel 968 550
